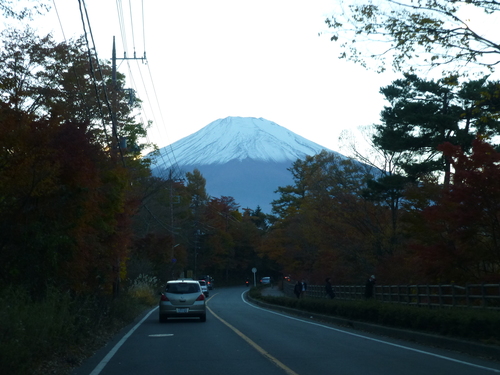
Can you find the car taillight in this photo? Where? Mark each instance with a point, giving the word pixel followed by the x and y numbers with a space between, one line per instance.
pixel 164 298
pixel 201 297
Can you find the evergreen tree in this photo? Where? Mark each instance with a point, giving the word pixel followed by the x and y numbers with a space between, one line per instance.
pixel 426 113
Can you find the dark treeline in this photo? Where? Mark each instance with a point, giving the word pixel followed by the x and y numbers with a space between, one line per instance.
pixel 82 213
pixel 79 207
pixel 424 210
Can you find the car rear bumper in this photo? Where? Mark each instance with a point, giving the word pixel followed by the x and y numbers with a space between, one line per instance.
pixel 167 309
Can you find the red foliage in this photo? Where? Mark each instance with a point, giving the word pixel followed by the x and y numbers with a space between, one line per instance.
pixel 67 217
pixel 462 228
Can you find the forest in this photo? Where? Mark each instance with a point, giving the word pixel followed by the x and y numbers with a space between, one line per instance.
pixel 82 216
pixel 81 211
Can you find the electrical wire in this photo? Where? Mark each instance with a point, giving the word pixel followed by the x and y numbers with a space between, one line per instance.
pixel 106 97
pixel 59 19
pixel 79 85
pixel 92 70
pixel 121 20
pixel 132 26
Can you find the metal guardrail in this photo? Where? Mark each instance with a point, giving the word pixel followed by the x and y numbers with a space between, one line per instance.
pixel 445 295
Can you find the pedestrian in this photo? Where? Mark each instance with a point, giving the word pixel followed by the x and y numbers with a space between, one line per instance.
pixel 369 287
pixel 303 289
pixel 329 289
pixel 297 289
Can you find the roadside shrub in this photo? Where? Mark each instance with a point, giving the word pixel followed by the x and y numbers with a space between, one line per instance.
pixel 28 328
pixel 33 333
pixel 143 288
pixel 475 324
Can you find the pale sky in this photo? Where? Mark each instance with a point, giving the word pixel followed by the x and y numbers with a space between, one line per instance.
pixel 209 59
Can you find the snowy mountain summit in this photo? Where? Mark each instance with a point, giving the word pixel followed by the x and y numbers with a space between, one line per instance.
pixel 240 138
pixel 245 158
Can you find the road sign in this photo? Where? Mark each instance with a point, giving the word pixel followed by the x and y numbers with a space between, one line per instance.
pixel 254 270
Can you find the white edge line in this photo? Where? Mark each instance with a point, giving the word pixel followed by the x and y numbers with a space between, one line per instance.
pixel 370 338
pixel 112 352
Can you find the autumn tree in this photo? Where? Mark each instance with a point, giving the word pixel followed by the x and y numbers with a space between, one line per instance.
pixel 408 33
pixel 456 238
pixel 422 115
pixel 328 227
pixel 160 248
pixel 64 206
pixel 61 80
pixel 66 192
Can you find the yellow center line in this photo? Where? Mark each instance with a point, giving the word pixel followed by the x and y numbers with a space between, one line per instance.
pixel 274 360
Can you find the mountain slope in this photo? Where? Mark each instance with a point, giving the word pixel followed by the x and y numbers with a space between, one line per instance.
pixel 243 157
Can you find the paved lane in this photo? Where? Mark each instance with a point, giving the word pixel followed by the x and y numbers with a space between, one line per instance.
pixel 308 347
pixel 240 338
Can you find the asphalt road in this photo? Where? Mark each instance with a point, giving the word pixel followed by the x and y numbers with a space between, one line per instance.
pixel 240 338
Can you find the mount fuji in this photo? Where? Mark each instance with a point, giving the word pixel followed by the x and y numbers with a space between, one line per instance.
pixel 243 157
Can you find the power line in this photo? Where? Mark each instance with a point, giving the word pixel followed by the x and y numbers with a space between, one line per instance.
pixel 121 19
pixel 92 72
pixel 132 26
pixel 106 98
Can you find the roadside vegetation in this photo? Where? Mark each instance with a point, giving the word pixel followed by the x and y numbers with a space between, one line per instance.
pixel 54 334
pixel 480 325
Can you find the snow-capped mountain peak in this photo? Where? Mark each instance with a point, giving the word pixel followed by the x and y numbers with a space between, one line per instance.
pixel 245 158
pixel 240 138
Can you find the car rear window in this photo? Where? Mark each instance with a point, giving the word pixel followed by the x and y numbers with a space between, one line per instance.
pixel 180 288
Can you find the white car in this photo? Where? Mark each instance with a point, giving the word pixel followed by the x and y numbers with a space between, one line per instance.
pixel 265 280
pixel 204 287
pixel 182 298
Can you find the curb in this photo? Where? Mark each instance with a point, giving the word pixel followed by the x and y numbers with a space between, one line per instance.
pixel 463 346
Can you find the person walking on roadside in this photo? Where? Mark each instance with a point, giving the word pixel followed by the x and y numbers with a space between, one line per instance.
pixel 329 289
pixel 297 289
pixel 303 289
pixel 369 287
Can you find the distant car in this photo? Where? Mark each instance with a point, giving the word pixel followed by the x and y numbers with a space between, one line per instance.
pixel 265 280
pixel 204 287
pixel 182 298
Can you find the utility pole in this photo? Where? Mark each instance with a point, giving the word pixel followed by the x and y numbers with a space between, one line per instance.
pixel 115 85
pixel 114 58
pixel 172 223
pixel 115 145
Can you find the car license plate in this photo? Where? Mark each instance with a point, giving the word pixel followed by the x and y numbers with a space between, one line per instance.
pixel 182 310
